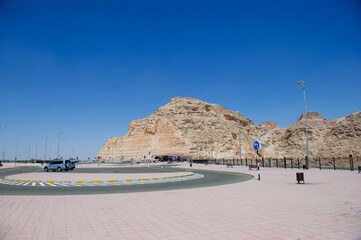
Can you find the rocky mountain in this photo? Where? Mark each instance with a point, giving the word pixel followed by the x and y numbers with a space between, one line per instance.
pixel 192 127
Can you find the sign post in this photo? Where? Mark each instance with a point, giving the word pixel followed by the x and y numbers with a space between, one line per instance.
pixel 256 146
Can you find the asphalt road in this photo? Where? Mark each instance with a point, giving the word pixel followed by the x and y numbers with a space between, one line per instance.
pixel 209 179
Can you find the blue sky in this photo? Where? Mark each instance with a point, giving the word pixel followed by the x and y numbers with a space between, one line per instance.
pixel 88 68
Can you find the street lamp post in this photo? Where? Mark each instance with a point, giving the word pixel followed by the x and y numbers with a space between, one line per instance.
pixel 304 101
pixel 239 133
pixel 29 151
pixel 46 145
pixel 211 142
pixel 59 144
pixel 16 154
pixel 36 149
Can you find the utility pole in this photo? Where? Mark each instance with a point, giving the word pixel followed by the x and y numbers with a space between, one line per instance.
pixel 36 149
pixel 59 144
pixel 239 134
pixel 16 154
pixel 29 151
pixel 304 101
pixel 211 142
pixel 46 145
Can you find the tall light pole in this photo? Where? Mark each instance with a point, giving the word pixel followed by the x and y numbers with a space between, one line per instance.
pixel 36 149
pixel 211 142
pixel 16 154
pixel 239 133
pixel 304 101
pixel 29 151
pixel 46 145
pixel 59 144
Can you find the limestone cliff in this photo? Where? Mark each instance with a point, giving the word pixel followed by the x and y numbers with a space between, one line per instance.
pixel 192 127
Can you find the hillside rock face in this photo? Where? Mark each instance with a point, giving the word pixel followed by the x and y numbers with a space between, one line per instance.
pixel 192 127
pixel 327 138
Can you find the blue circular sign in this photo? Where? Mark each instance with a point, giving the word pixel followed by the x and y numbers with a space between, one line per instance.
pixel 256 145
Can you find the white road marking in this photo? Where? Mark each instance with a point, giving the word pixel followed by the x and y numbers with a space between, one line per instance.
pixel 91 184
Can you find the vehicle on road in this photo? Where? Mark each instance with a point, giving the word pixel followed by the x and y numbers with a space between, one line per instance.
pixel 60 165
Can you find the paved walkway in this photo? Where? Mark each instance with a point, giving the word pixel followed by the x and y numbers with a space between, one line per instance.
pixel 328 206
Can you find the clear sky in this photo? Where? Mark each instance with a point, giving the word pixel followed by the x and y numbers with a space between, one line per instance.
pixel 88 68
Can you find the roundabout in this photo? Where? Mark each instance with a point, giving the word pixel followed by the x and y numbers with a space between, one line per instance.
pixel 100 180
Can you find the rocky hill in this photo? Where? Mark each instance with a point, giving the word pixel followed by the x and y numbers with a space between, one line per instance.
pixel 193 127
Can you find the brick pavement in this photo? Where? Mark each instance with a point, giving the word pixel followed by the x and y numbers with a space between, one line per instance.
pixel 328 206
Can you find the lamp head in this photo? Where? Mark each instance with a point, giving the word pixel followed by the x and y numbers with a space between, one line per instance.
pixel 301 82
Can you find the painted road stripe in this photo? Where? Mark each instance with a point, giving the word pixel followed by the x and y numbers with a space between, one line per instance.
pixel 34 183
pixel 26 183
pixel 42 184
pixel 51 184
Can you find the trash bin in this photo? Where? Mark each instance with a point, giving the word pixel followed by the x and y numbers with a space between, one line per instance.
pixel 300 177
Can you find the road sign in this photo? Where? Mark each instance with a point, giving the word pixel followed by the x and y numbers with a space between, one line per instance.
pixel 256 145
pixel 175 157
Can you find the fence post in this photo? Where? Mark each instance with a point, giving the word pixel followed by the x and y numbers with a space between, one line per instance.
pixel 246 162
pixel 351 162
pixel 292 163
pixel 262 161
pixel 285 160
pixel 298 159
pixel 319 161
pixel 241 162
pixel 334 163
pixel 277 162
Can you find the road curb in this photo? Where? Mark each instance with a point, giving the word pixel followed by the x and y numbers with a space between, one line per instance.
pixel 221 171
pixel 98 181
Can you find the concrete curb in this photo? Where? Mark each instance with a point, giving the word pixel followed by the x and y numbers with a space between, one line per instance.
pixel 221 171
pixel 99 181
pixel 143 166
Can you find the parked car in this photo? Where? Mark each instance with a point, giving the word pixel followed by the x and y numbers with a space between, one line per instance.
pixel 60 165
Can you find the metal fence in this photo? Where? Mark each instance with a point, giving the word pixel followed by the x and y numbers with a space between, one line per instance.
pixel 345 163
